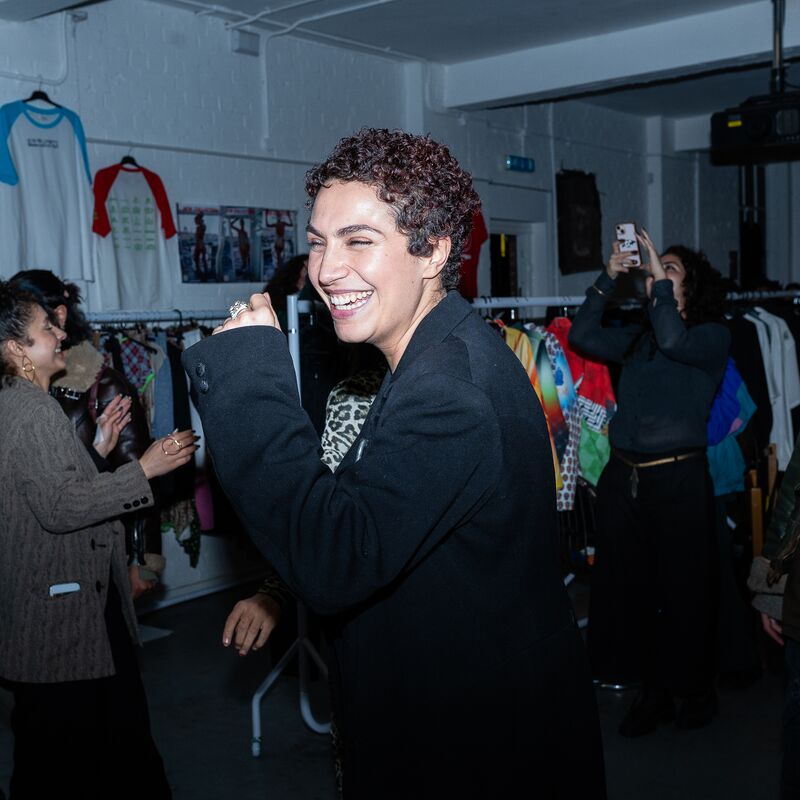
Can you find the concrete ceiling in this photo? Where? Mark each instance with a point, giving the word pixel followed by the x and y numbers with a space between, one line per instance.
pixel 451 31
pixel 676 59
pixel 679 58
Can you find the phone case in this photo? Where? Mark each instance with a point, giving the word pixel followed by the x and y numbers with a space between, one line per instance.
pixel 626 236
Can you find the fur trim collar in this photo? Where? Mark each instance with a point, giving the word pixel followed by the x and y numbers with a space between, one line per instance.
pixel 83 364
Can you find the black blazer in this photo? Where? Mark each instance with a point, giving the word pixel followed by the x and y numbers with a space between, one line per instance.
pixel 433 546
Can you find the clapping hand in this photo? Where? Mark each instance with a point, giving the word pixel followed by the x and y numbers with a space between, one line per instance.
pixel 116 415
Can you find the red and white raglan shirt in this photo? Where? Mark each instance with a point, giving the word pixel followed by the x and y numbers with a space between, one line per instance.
pixel 136 242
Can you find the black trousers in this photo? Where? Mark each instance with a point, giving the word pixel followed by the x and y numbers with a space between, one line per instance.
pixel 87 740
pixel 654 594
pixel 529 729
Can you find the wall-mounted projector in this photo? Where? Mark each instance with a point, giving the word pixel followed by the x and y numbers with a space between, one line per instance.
pixel 760 130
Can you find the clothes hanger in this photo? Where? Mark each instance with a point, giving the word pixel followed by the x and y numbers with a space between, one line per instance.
pixel 128 161
pixel 41 95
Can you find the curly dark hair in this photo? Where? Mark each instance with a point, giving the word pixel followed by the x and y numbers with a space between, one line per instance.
pixel 16 313
pixel 430 195
pixel 703 286
pixel 284 281
pixel 52 292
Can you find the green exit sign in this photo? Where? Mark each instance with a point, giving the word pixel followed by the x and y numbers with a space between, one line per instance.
pixel 520 164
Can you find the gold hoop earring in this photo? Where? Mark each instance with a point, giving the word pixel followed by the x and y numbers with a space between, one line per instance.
pixel 29 368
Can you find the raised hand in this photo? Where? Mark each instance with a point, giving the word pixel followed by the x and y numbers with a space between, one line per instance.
pixel 168 453
pixel 116 415
pixel 258 312
pixel 655 267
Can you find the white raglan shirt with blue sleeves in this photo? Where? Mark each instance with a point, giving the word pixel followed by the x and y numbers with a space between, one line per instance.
pixel 45 192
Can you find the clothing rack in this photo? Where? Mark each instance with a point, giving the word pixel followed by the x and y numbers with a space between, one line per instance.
pixel 302 645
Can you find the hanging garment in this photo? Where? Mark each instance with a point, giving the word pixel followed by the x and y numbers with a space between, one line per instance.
pixel 568 400
pixel 519 341
pixel 731 411
pixel 780 364
pixel 725 460
pixel 202 490
pixel 45 192
pixel 163 415
pixel 596 403
pixel 746 352
pixel 137 249
pixel 468 283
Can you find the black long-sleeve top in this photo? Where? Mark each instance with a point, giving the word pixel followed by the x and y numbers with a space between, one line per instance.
pixel 669 375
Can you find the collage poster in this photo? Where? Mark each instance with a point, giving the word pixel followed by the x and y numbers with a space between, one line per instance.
pixel 233 244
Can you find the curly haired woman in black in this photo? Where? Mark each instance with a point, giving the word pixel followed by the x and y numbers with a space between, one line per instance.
pixel 653 603
pixel 457 667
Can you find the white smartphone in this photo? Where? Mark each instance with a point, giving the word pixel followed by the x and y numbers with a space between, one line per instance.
pixel 628 244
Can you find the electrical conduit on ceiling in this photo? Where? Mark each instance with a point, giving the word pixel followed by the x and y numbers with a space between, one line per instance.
pixel 206 8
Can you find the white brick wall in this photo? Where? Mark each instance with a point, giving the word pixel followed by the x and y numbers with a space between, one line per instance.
pixel 152 74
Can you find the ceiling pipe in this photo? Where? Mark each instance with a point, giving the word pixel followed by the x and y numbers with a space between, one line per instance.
pixel 266 12
pixel 207 8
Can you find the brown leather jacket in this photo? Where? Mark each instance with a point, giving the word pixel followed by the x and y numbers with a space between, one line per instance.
pixel 83 391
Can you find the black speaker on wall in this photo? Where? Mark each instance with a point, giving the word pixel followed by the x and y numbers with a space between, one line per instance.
pixel 579 222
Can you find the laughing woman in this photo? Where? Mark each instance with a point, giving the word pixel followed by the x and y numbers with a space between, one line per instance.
pixel 67 623
pixel 458 670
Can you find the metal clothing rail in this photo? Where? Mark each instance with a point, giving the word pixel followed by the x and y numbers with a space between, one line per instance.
pixel 525 302
pixel 132 317
pixel 487 301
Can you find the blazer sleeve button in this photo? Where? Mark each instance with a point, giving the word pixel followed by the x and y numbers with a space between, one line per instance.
pixel 200 369
pixel 202 386
pixel 145 501
pixel 126 506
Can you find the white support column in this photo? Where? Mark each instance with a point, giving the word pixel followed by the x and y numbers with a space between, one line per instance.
pixel 654 146
pixel 414 97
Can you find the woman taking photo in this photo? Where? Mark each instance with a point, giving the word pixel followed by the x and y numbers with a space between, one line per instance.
pixel 653 602
pixel 66 616
pixel 457 667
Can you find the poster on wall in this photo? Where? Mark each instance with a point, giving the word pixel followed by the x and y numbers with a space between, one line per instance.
pixel 233 244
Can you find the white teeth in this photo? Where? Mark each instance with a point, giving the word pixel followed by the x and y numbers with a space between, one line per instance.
pixel 350 299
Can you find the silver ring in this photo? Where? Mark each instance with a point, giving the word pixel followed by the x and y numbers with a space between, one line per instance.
pixel 237 308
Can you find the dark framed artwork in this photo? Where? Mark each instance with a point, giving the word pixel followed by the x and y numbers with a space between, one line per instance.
pixel 579 222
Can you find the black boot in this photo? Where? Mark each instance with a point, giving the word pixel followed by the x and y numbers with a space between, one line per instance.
pixel 650 707
pixel 697 710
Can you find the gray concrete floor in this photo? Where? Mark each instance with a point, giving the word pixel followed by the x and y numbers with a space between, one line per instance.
pixel 200 695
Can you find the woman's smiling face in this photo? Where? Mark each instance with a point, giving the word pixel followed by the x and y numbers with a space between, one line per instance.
pixel 44 349
pixel 359 263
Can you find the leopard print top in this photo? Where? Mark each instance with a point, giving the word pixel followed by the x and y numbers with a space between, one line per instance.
pixel 348 405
